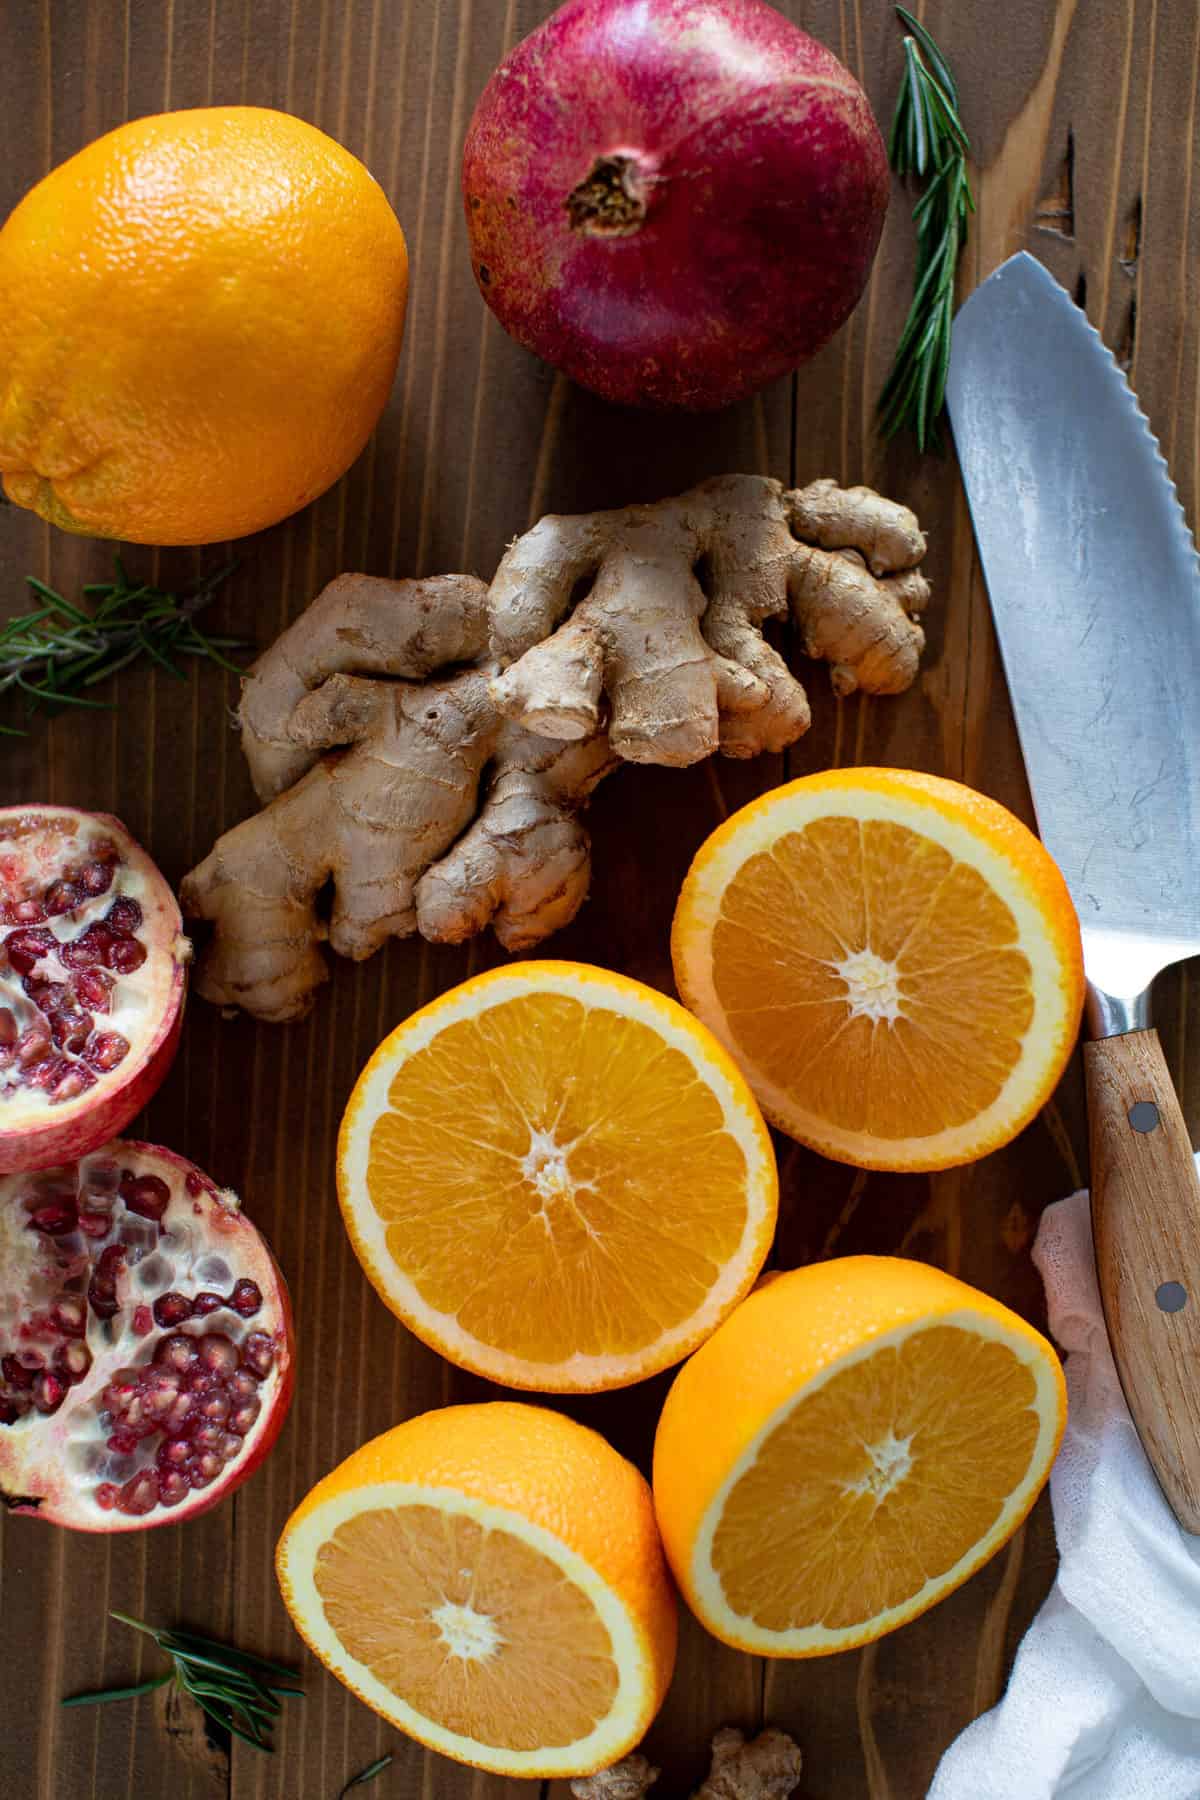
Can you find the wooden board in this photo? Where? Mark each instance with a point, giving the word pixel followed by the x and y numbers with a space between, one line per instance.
pixel 1083 115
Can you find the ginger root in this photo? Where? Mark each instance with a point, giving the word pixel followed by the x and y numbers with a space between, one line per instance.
pixel 670 629
pixel 427 746
pixel 766 1768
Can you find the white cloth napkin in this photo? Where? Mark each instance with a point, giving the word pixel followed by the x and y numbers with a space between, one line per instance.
pixel 1104 1698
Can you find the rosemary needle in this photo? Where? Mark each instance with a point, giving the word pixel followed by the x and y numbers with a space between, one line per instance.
pixel 928 141
pixel 365 1775
pixel 52 655
pixel 240 1692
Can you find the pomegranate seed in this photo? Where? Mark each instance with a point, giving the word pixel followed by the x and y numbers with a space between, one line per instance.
pixel 89 948
pixel 8 1028
pixel 173 1486
pixel 206 1436
pixel 106 1495
pixel 173 1453
pixel 123 916
pixel 204 1469
pixel 48 1392
pixel 161 1387
pixel 74 1361
pixel 143 1320
pixel 140 1494
pixel 96 878
pixel 26 912
pixel 177 1419
pixel 10 1412
pixel 217 1354
pixel 120 1389
pixel 177 1352
pixel 246 1298
pixel 123 1442
pixel 61 897
pixel 147 1195
pixel 70 1026
pixel 230 1446
pixel 215 1408
pixel 33 1044
pixel 25 948
pixel 172 1309
pixel 258 1353
pixel 102 1289
pixel 106 1050
pixel 207 1302
pixel 126 955
pixel 95 1224
pixel 93 988
pixel 48 1073
pixel 75 1082
pixel 242 1385
pixel 244 1416
pixel 69 1313
pixel 15 1375
pixel 54 1219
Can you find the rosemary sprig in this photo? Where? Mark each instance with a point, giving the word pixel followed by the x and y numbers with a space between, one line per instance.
pixel 52 655
pixel 928 141
pixel 238 1691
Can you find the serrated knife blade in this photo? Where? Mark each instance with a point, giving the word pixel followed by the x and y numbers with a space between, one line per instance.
pixel 1095 590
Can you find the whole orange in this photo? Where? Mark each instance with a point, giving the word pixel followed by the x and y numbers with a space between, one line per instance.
pixel 200 317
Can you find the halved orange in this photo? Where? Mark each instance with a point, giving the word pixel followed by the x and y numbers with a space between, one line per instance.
pixel 490 1579
pixel 856 1440
pixel 556 1177
pixel 893 960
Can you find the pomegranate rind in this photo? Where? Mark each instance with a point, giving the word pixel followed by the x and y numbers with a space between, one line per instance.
pixel 35 1134
pixel 41 1455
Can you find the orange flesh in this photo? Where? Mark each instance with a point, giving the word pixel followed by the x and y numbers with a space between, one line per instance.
pixel 963 989
pixel 558 1178
pixel 476 1630
pixel 881 1480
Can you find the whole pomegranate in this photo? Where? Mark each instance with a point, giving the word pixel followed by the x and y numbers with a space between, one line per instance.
pixel 92 975
pixel 674 201
pixel 145 1341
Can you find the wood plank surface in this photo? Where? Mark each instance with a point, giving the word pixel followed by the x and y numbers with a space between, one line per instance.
pixel 1083 114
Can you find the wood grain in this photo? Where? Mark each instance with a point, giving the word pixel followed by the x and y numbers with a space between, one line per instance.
pixel 1146 1219
pixel 1084 117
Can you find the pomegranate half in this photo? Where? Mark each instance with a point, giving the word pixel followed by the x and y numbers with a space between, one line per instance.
pixel 146 1351
pixel 674 201
pixel 93 967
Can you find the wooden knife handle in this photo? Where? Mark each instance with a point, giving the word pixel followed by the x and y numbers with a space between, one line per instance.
pixel 1146 1223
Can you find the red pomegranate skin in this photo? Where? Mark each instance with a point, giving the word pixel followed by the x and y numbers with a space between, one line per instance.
pixel 752 180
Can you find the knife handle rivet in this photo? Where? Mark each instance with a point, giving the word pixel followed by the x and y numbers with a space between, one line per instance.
pixel 1171 1296
pixel 1143 1116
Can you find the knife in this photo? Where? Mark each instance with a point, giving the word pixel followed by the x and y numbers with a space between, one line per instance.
pixel 1095 591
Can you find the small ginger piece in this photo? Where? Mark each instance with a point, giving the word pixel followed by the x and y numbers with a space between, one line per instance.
pixel 766 1768
pixel 426 747
pixel 628 1779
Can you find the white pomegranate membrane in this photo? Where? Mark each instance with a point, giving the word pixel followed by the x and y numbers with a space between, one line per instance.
pixel 92 960
pixel 145 1341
